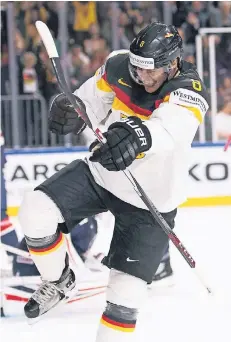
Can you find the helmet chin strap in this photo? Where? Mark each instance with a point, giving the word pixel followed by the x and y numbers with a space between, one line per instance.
pixel 170 74
pixel 169 70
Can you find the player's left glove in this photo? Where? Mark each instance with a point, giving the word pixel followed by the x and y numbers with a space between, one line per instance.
pixel 125 140
pixel 63 118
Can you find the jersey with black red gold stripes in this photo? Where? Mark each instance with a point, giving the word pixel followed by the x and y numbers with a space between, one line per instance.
pixel 172 115
pixel 132 99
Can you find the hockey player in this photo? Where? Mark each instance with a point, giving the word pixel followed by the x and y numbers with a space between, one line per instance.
pixel 149 102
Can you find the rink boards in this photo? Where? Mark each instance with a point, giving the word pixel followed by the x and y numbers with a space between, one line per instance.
pixel 209 181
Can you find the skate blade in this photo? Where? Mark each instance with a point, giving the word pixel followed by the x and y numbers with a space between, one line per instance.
pixel 70 294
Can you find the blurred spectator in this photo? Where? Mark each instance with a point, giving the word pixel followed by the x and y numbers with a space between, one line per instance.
pixel 124 42
pixel 5 83
pixel 105 14
pixel 27 12
pixel 95 42
pixel 52 19
pixel 138 23
pixel 223 122
pixel 129 7
pixel 225 8
pixel 225 89
pixel 151 11
pixel 28 85
pixel 33 40
pixel 19 43
pixel 22 13
pixel 49 85
pixel 29 74
pixel 3 25
pixel 85 15
pixel 32 14
pixel 220 14
pixel 223 54
pixel 190 28
pixel 85 73
pixel 98 59
pixel 126 24
pixel 179 12
pixel 75 60
pixel 199 8
pixel 189 49
pixel 138 13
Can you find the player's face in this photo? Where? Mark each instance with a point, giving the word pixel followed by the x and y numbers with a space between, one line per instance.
pixel 152 79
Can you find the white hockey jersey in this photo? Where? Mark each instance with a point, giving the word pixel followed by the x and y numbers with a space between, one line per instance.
pixel 172 115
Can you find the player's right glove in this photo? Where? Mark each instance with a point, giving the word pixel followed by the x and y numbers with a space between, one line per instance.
pixel 63 118
pixel 125 140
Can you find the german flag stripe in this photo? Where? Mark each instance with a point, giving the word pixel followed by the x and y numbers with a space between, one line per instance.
pixel 115 327
pixel 50 249
pixel 119 105
pixel 105 77
pixel 118 320
pixel 166 98
pixel 124 98
pixel 103 85
pixel 158 102
pixel 123 325
pixel 41 244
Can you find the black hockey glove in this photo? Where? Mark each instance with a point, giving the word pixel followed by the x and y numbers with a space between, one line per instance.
pixel 63 119
pixel 125 140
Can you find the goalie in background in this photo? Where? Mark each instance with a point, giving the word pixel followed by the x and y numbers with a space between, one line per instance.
pixel 8 234
pixel 82 238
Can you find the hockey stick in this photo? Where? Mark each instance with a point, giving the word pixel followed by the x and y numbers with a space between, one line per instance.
pixel 15 250
pixel 11 295
pixel 228 142
pixel 55 60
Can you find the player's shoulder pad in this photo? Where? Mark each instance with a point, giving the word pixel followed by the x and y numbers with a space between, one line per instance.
pixel 187 90
pixel 112 64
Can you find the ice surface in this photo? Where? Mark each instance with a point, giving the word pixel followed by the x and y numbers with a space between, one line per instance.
pixel 182 313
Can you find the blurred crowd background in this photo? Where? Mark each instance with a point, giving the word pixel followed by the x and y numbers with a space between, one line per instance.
pixel 91 31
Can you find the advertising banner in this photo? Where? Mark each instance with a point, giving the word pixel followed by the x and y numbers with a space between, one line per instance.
pixel 209 180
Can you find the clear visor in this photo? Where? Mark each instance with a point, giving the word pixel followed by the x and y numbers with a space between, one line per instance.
pixel 143 70
pixel 150 78
pixel 146 73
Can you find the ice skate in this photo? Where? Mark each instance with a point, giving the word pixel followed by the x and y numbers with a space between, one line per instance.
pixel 49 295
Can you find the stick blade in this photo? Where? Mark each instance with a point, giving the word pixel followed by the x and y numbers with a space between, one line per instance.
pixel 47 39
